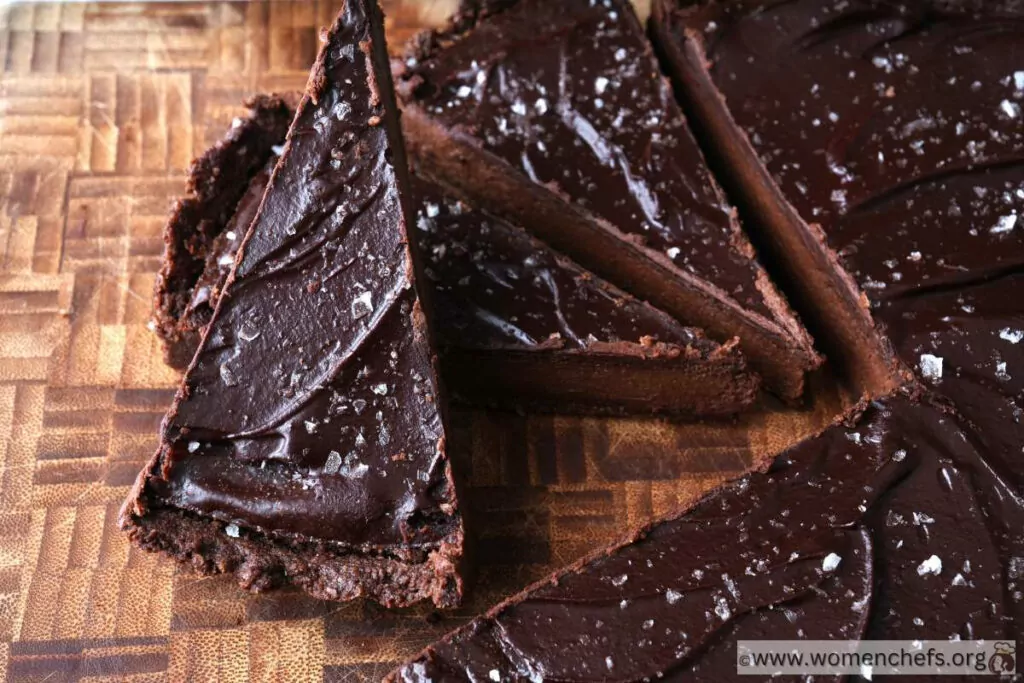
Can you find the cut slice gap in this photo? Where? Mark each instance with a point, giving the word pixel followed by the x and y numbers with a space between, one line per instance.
pixel 502 107
pixel 306 444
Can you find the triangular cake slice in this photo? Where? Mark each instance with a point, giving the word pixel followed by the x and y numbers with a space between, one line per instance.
pixel 518 325
pixel 887 528
pixel 555 116
pixel 306 444
pixel 521 326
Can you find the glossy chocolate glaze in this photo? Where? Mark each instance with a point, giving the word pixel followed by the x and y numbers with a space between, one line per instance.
pixel 969 343
pixel 895 126
pixel 569 94
pixel 892 528
pixel 311 410
pixel 494 286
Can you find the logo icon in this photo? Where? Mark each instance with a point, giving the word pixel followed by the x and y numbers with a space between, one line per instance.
pixel 1003 661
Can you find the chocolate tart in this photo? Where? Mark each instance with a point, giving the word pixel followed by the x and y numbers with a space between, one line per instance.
pixel 885 133
pixel 554 116
pixel 219 206
pixel 889 527
pixel 521 327
pixel 306 444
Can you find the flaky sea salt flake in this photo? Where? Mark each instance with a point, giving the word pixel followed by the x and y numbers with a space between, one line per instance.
pixel 831 562
pixel 362 305
pixel 933 565
pixel 931 366
pixel 1004 225
pixel 333 463
pixel 722 609
pixel 1011 335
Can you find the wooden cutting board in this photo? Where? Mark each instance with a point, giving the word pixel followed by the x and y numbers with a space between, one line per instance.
pixel 102 107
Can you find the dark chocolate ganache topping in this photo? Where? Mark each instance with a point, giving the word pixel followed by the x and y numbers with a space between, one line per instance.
pixel 494 286
pixel 898 127
pixel 311 408
pixel 891 528
pixel 569 93
pixel 968 343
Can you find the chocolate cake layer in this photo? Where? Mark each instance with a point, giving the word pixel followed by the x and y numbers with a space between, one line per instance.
pixel 555 116
pixel 219 202
pixel 895 128
pixel 522 327
pixel 306 444
pixel 890 528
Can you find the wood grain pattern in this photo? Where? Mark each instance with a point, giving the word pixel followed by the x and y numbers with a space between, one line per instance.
pixel 102 107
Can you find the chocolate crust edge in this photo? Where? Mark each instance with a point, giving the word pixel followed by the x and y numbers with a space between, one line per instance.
pixel 259 564
pixel 827 296
pixel 663 379
pixel 216 182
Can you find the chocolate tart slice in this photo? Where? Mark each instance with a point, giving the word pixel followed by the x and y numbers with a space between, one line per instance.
pixel 218 207
pixel 887 133
pixel 521 327
pixel 890 527
pixel 306 444
pixel 554 115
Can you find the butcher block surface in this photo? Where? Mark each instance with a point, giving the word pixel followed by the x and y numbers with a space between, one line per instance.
pixel 102 108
